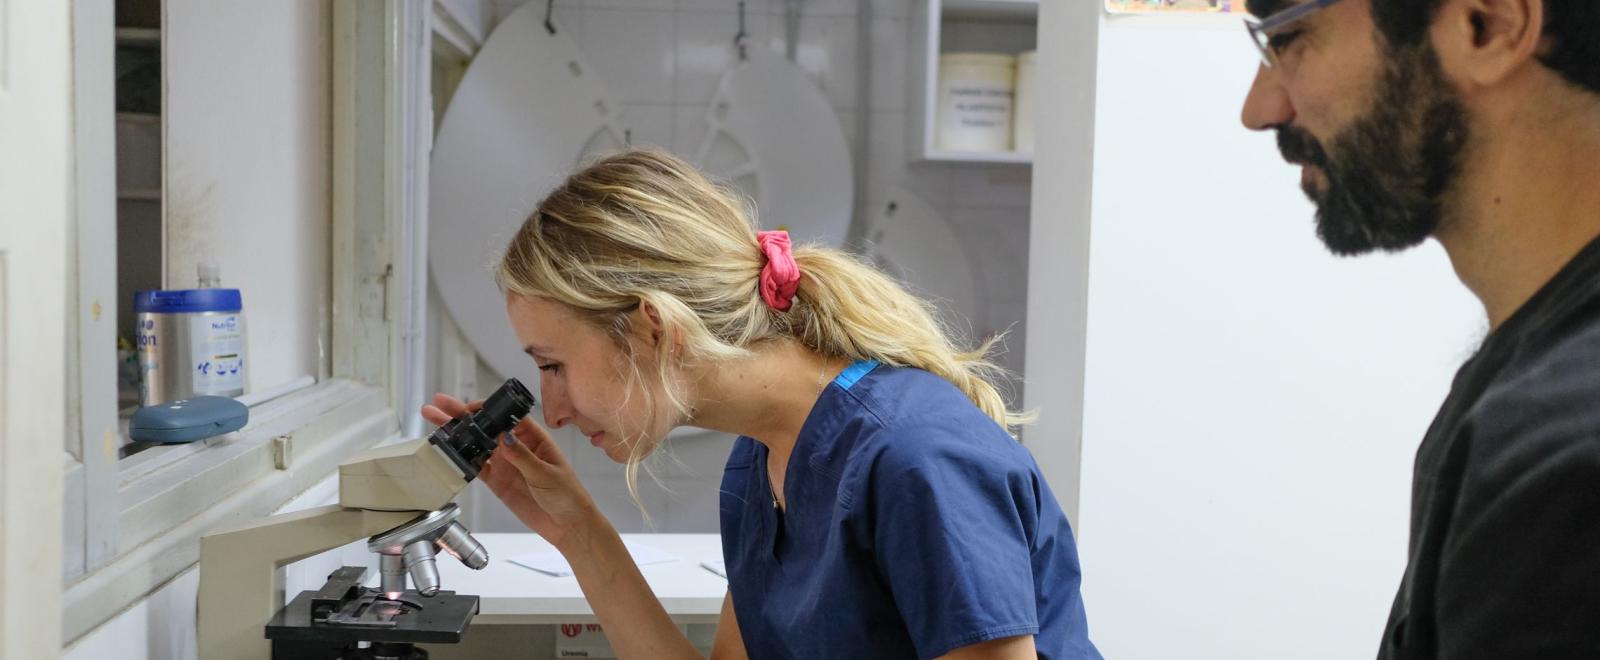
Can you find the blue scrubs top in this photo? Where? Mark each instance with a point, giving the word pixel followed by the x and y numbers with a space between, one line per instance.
pixel 915 525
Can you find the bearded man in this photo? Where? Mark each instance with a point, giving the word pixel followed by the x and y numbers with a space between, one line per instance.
pixel 1475 123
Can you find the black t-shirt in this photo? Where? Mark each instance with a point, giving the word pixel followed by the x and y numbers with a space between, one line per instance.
pixel 1505 514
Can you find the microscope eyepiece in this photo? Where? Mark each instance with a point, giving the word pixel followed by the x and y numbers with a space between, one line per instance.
pixel 504 408
pixel 469 439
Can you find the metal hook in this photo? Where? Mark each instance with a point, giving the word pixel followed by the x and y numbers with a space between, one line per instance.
pixel 741 40
pixel 549 10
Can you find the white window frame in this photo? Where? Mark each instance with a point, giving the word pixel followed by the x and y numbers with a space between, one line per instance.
pixel 458 31
pixel 35 188
pixel 133 525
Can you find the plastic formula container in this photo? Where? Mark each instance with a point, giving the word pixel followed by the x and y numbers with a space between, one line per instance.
pixel 1022 122
pixel 975 101
pixel 190 342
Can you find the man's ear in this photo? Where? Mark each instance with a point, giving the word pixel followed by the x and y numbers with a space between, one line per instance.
pixel 1482 43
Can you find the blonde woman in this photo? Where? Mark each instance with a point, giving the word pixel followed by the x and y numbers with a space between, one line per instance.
pixel 875 504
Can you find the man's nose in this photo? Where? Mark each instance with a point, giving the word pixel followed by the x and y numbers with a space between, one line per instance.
pixel 1267 104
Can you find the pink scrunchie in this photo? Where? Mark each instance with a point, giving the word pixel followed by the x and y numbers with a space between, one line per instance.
pixel 781 276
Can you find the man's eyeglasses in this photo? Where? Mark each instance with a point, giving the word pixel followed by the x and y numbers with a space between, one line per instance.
pixel 1261 32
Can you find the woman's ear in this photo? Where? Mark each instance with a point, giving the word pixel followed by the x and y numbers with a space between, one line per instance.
pixel 650 331
pixel 647 324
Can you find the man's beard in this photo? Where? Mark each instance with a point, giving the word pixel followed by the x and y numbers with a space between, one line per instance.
pixel 1389 170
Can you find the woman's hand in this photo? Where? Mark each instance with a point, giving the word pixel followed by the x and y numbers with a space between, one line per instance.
pixel 530 475
pixel 536 482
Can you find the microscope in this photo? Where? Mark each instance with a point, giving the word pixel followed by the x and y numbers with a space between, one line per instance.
pixel 398 496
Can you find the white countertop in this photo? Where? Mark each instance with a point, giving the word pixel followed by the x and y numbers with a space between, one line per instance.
pixel 513 594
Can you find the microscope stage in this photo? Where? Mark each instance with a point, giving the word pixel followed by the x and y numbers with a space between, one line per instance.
pixel 345 612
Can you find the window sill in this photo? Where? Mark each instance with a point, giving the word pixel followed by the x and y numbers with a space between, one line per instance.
pixel 138 459
pixel 173 495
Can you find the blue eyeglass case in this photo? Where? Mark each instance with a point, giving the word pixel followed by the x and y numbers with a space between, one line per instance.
pixel 187 420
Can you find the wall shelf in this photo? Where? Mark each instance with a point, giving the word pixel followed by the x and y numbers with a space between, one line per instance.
pixel 942 26
pixel 140 194
pixel 1002 157
pixel 1024 11
pixel 138 36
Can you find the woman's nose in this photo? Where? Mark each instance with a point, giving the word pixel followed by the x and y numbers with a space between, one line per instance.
pixel 556 413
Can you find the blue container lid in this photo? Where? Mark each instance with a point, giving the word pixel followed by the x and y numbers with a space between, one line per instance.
pixel 187 420
pixel 181 301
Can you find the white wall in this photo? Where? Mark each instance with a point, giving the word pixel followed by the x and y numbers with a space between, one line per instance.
pixel 1252 404
pixel 248 147
pixel 163 625
pixel 160 627
pixel 661 59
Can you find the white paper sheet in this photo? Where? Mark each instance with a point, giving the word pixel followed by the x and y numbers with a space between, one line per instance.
pixel 551 562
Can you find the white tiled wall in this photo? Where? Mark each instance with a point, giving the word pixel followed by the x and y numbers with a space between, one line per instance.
pixel 662 59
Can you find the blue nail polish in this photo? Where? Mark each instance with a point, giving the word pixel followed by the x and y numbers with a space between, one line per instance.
pixel 507 439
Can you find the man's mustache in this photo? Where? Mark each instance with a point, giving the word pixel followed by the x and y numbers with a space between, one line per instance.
pixel 1300 148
